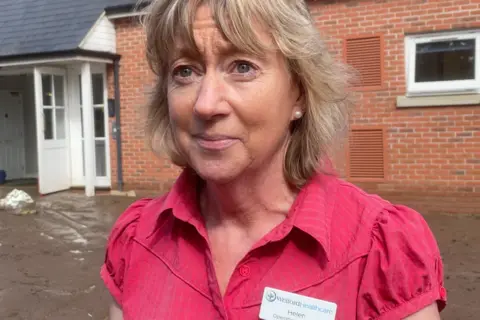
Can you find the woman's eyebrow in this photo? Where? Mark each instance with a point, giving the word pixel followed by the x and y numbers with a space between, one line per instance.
pixel 184 52
pixel 229 49
pixel 224 49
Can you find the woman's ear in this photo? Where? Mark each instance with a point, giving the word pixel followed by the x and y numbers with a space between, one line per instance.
pixel 299 107
pixel 301 95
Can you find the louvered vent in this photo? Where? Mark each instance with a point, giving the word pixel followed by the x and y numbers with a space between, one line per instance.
pixel 365 56
pixel 366 154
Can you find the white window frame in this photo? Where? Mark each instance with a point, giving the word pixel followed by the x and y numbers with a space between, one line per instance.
pixel 440 87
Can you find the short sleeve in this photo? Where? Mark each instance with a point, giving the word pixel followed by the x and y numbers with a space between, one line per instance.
pixel 404 271
pixel 118 248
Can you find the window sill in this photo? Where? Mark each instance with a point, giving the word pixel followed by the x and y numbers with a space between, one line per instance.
pixel 440 100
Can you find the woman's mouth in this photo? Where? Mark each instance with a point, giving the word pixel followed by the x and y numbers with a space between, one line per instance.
pixel 214 142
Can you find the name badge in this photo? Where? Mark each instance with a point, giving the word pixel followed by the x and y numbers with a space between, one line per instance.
pixel 283 305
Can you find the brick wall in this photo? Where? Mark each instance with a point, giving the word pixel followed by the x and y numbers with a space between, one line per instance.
pixel 434 150
pixel 431 152
pixel 141 169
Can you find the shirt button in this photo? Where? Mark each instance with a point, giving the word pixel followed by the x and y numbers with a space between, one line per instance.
pixel 244 271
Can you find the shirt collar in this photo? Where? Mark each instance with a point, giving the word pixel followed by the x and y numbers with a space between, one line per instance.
pixel 313 209
pixel 311 212
pixel 181 202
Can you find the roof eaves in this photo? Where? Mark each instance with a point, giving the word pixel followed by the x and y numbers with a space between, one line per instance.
pixel 59 54
pixel 125 10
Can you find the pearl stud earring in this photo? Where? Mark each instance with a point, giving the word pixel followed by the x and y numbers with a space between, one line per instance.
pixel 298 114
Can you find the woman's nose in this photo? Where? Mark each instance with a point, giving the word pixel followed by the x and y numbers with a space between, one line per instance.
pixel 210 100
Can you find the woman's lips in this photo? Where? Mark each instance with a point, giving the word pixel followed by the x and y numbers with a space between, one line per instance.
pixel 215 143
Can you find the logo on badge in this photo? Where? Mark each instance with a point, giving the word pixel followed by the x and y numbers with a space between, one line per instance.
pixel 271 296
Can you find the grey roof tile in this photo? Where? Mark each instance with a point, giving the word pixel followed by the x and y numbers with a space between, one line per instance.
pixel 36 26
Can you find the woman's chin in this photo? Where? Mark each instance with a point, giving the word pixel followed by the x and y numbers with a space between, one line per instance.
pixel 217 172
pixel 218 177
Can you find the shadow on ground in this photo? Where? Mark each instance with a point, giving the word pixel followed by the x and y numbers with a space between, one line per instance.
pixel 50 261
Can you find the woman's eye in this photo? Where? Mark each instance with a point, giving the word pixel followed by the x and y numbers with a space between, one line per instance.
pixel 183 72
pixel 243 67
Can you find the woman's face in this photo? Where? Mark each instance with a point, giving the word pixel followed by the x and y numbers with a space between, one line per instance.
pixel 230 111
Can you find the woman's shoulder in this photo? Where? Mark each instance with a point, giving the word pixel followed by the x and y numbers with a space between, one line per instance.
pixel 364 218
pixel 120 241
pixel 403 267
pixel 352 200
pixel 126 224
pixel 402 263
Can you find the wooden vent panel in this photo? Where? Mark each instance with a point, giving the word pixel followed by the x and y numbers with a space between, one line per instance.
pixel 366 154
pixel 365 56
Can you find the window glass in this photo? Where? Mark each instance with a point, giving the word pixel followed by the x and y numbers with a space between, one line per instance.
pixel 97 88
pixel 101 158
pixel 59 93
pixel 99 122
pixel 445 61
pixel 60 123
pixel 48 124
pixel 47 89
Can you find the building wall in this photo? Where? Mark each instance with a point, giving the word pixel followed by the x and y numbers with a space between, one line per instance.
pixel 430 151
pixel 101 37
pixel 142 170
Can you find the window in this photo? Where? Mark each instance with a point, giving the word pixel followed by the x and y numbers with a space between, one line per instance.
pixel 99 123
pixel 366 154
pixel 53 98
pixel 365 56
pixel 443 63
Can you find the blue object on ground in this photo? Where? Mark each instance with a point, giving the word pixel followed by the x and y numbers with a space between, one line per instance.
pixel 3 176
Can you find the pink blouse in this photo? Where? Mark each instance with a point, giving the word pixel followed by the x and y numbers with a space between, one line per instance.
pixel 375 260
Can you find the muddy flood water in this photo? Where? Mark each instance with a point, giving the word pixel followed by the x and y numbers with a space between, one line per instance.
pixel 50 262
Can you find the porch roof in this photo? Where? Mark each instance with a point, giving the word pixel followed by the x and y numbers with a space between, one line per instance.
pixel 36 27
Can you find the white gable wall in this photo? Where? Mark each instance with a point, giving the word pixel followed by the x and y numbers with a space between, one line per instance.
pixel 101 37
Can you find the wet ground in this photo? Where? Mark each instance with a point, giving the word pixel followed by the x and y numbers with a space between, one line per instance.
pixel 49 262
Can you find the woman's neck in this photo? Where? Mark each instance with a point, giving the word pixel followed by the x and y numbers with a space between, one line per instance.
pixel 253 199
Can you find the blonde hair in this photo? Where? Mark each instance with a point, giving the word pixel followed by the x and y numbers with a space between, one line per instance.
pixel 322 80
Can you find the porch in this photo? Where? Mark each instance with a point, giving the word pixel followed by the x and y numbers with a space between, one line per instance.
pixel 54 123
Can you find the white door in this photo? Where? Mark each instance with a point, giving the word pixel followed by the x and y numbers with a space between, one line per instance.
pixel 52 130
pixel 12 137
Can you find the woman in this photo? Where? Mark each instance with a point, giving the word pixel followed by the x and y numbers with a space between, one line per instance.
pixel 248 101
